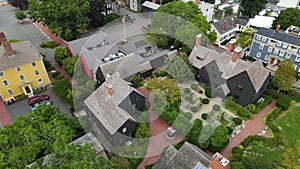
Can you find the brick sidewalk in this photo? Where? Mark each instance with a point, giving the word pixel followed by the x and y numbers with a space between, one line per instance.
pixel 4 116
pixel 50 35
pixel 62 72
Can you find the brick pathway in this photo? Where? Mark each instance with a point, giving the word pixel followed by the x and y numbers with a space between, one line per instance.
pixel 253 127
pixel 62 71
pixel 4 117
pixel 158 140
pixel 50 35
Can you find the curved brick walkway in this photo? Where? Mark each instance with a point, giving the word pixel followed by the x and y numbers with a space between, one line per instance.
pixel 62 71
pixel 46 31
pixel 4 117
pixel 253 127
pixel 158 140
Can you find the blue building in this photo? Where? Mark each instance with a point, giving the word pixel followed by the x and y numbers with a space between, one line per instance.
pixel 273 46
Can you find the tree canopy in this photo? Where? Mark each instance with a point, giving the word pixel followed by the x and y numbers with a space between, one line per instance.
pixel 64 17
pixel 177 20
pixel 253 7
pixel 291 158
pixel 288 17
pixel 284 77
pixel 22 4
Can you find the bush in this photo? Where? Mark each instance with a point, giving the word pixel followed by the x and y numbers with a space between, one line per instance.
pixel 187 90
pixel 273 93
pixel 284 102
pixel 205 101
pixel 55 75
pixel 229 129
pixel 194 86
pixel 295 95
pixel 243 113
pixel 237 121
pixel 216 107
pixel 208 92
pixel 50 44
pixel 137 81
pixel 237 150
pixel 48 66
pixel 194 109
pixel 204 116
pixel 188 115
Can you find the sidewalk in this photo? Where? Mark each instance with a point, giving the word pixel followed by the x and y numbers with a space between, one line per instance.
pixel 46 31
pixel 4 117
pixel 62 72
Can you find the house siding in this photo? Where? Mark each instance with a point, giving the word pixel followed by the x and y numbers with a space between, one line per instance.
pixel 121 137
pixel 99 76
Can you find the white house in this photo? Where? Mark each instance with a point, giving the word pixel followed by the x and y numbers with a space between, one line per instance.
pixel 207 10
pixel 261 21
pixel 134 5
pixel 289 3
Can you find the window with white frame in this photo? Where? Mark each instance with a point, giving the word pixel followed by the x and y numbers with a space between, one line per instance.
pixel 258 54
pixel 36 72
pixel 21 77
pixel 40 81
pixel 276 51
pixel 261 46
pixel 10 92
pixel 33 64
pixel 281 53
pixel 284 45
pixel 270 49
pixel 297 59
pixel 267 57
pixel 1 74
pixel 264 39
pixel 124 130
pixel 18 68
pixel 258 37
pixel 278 43
pixel 288 55
pixel 5 82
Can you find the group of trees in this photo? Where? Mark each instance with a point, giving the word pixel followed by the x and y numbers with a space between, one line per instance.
pixel 286 18
pixel 284 76
pixel 252 8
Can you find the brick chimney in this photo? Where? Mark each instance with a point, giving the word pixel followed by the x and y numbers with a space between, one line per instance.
pixel 154 1
pixel 198 40
pixel 231 45
pixel 224 25
pixel 8 49
pixel 109 89
pixel 219 162
pixel 277 28
pixel 197 1
pixel 236 54
pixel 233 21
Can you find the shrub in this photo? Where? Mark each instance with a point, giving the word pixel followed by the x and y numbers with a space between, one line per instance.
pixel 194 86
pixel 243 113
pixel 188 115
pixel 187 90
pixel 295 95
pixel 273 93
pixel 237 150
pixel 137 81
pixel 162 73
pixel 284 102
pixel 202 85
pixel 50 44
pixel 205 101
pixel 208 92
pixel 194 109
pixel 229 129
pixel 204 116
pixel 14 40
pixel 216 107
pixel 237 121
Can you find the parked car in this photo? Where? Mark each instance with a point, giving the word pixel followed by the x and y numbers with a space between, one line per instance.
pixel 36 105
pixel 130 17
pixel 37 99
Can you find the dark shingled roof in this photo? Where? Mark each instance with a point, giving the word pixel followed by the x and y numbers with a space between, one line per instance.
pixel 241 21
pixel 281 36
pixel 187 157
pixel 219 24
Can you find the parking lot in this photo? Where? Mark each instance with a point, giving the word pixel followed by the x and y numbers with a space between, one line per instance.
pixel 21 108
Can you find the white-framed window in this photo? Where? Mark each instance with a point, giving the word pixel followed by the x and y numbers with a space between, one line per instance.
pixel 10 91
pixel 261 46
pixel 288 55
pixel 297 59
pixel 276 51
pixel 33 64
pixel 124 130
pixel 36 72
pixel 264 39
pixel 267 57
pixel 285 45
pixel 281 53
pixel 1 74
pixel 258 54
pixel 18 68
pixel 21 77
pixel 40 81
pixel 258 37
pixel 279 43
pixel 270 49
pixel 5 82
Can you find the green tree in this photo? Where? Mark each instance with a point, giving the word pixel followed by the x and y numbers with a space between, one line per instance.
pixel 284 77
pixel 95 13
pixel 210 1
pixel 291 157
pixel 65 18
pixel 68 64
pixel 228 10
pixel 143 131
pixel 20 15
pixel 195 131
pixel 219 138
pixel 288 17
pixel 60 54
pixel 251 108
pixel 252 8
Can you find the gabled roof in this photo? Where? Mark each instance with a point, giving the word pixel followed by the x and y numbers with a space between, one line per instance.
pixel 257 73
pixel 188 156
pixel 241 21
pixel 281 36
pixel 106 108
pixel 24 53
pixel 219 24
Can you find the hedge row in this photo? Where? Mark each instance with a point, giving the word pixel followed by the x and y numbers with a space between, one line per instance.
pixel 284 102
pixel 261 105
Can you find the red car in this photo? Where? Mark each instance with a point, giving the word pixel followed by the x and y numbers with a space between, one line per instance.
pixel 36 99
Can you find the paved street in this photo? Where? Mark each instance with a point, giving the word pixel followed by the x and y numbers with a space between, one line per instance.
pixel 27 31
pixel 22 108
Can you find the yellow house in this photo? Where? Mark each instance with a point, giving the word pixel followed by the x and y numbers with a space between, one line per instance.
pixel 21 69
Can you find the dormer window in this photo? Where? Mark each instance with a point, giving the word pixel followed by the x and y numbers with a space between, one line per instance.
pixel 18 68
pixel 258 37
pixel 1 74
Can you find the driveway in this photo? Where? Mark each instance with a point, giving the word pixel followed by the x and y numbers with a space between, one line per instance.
pixel 21 108
pixel 27 31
